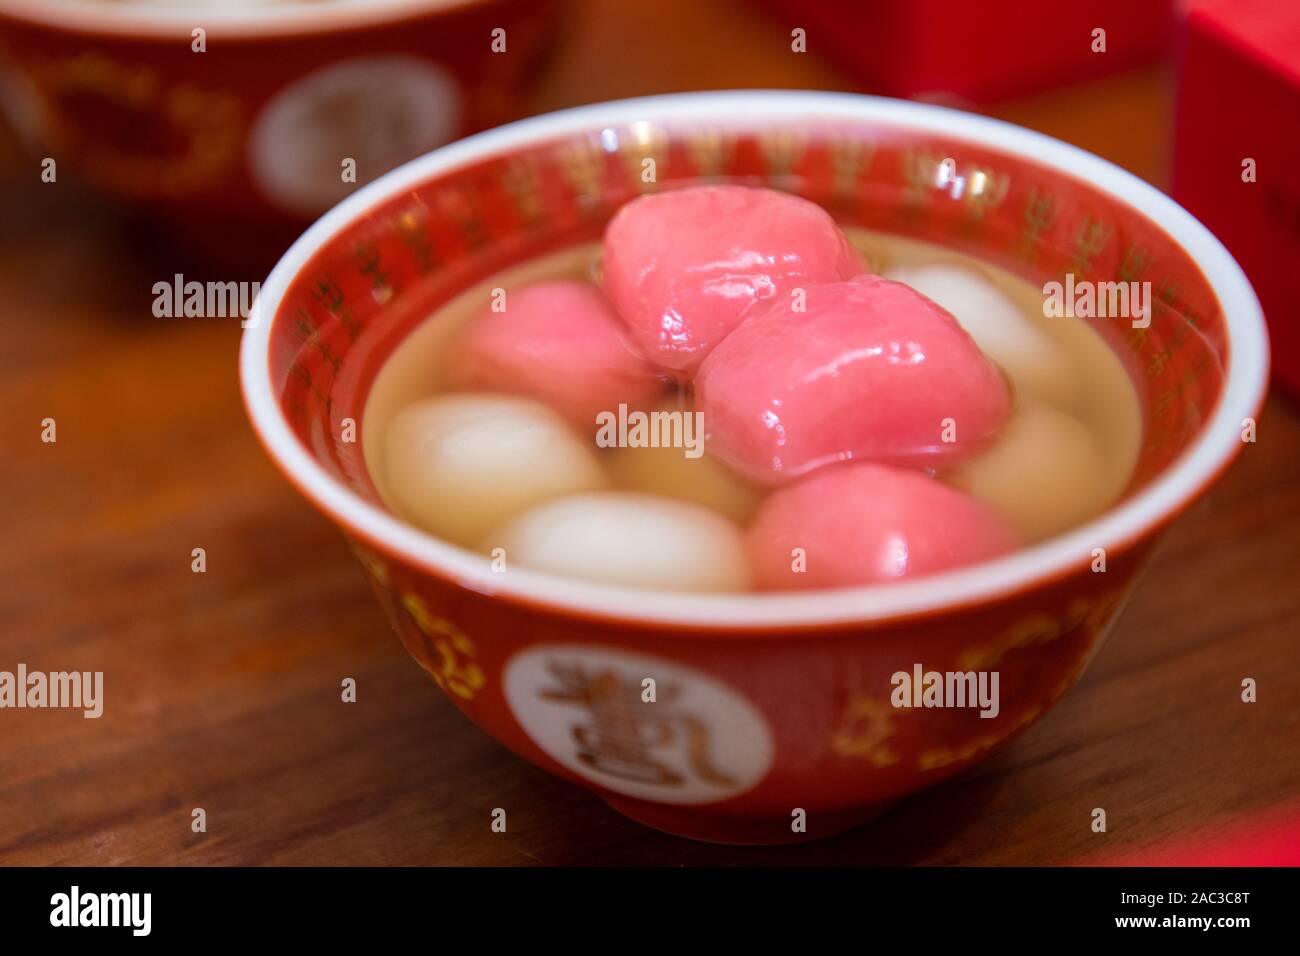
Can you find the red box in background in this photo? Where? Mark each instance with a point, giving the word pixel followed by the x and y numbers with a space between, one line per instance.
pixel 979 50
pixel 1239 100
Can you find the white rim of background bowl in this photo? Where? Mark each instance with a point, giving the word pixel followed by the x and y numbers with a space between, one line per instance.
pixel 223 19
pixel 1244 386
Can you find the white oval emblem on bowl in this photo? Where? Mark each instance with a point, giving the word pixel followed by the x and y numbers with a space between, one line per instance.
pixel 376 111
pixel 698 741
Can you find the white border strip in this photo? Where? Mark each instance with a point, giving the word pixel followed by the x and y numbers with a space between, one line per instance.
pixel 1246 379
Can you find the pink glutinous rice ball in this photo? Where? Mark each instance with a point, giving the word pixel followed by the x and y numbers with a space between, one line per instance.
pixel 864 524
pixel 558 342
pixel 867 370
pixel 683 267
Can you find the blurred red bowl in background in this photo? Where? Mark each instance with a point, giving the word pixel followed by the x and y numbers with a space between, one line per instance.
pixel 238 145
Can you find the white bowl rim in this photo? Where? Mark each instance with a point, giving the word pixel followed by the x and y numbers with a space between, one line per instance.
pixel 1244 386
pixel 249 20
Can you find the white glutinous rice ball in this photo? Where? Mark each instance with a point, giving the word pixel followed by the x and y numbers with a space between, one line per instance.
pixel 461 464
pixel 628 539
pixel 1037 364
pixel 667 472
pixel 684 473
pixel 1043 475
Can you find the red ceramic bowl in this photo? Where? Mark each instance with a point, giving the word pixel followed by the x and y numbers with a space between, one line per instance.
pixel 766 704
pixel 244 143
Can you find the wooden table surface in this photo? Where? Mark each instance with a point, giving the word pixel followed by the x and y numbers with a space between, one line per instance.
pixel 223 688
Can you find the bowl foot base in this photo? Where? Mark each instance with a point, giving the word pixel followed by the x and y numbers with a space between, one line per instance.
pixel 735 830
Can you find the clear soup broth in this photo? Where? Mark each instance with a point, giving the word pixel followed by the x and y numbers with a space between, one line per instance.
pixel 1064 455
